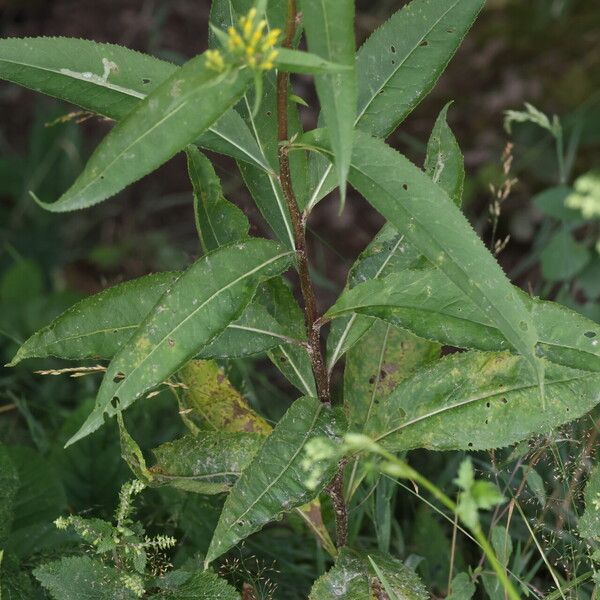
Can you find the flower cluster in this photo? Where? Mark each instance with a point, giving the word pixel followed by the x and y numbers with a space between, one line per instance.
pixel 248 44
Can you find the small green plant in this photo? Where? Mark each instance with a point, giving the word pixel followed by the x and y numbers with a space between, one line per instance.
pixel 426 281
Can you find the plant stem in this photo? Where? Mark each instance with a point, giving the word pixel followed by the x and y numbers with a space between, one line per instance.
pixel 313 324
pixel 306 286
pixel 336 493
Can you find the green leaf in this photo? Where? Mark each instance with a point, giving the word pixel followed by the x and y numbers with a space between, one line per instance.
pixel 209 401
pixel 563 257
pixel 382 358
pixel 479 401
pixel 103 78
pixel 462 588
pixel 535 483
pixel 39 499
pixel 98 326
pixel 552 203
pixel 211 294
pixel 502 544
pixel 274 483
pixel 206 463
pixel 82 578
pixel 329 27
pixel 401 61
pixel 355 577
pixel 434 225
pixel 295 365
pixel 589 522
pixel 109 80
pixel 92 472
pixel 296 61
pixel 428 304
pixel 165 122
pixel 202 585
pixel 218 221
pixel 9 484
pixel 398 66
pixel 444 162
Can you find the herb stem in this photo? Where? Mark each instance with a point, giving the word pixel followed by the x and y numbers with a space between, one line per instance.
pixel 306 286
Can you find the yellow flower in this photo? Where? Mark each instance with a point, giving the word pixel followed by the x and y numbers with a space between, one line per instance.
pixel 214 60
pixel 249 44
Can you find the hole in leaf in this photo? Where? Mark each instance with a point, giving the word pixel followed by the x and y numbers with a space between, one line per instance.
pixel 470 444
pixel 590 334
pixel 372 380
pixel 393 49
pixel 118 377
pixel 268 113
pixel 171 342
pixel 282 359
pixel 487 405
pixel 405 186
pixel 146 81
pixel 504 401
pixel 115 402
pixel 424 43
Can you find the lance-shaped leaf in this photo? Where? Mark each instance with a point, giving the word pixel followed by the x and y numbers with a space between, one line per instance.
pixel 401 61
pixel 434 225
pixel 98 326
pixel 382 358
pixel 218 221
pixel 444 162
pixel 109 80
pixel 329 27
pixel 209 401
pixel 275 482
pixel 165 122
pixel 398 66
pixel 479 401
pixel 208 462
pixel 211 294
pixel 427 303
pixel 353 577
pixel 589 522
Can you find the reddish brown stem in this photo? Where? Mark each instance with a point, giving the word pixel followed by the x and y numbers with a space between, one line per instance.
pixel 336 493
pixel 308 293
